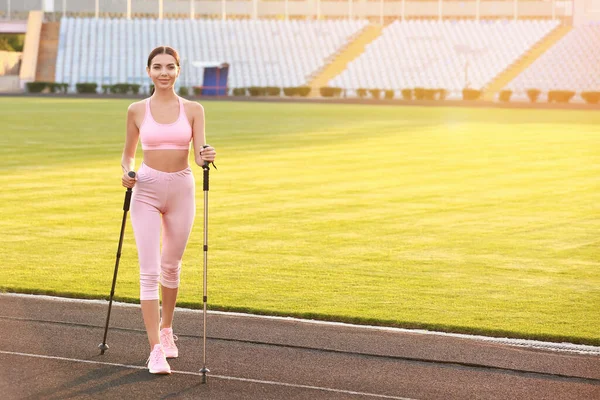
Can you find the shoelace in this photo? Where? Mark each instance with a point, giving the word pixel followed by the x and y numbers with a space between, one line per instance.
pixel 171 339
pixel 154 355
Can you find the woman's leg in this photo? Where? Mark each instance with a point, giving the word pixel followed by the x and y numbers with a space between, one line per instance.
pixel 169 299
pixel 177 225
pixel 146 222
pixel 151 315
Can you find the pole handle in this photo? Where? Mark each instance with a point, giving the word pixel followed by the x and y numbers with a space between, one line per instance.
pixel 205 169
pixel 128 193
pixel 206 163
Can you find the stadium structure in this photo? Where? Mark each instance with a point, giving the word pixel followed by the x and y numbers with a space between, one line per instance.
pixel 400 48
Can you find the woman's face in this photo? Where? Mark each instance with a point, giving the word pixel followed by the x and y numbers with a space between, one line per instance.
pixel 163 71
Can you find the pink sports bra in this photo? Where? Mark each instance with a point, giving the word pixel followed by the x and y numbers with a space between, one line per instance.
pixel 175 136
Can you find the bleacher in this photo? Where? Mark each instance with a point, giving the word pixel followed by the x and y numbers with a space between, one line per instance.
pixel 572 64
pixel 450 54
pixel 442 54
pixel 261 52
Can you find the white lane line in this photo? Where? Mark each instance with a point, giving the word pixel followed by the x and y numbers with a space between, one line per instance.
pixel 211 376
pixel 527 343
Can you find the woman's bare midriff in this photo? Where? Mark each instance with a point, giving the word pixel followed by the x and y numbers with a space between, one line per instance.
pixel 167 160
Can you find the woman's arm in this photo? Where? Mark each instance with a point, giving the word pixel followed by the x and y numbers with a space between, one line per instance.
pixel 131 142
pixel 201 153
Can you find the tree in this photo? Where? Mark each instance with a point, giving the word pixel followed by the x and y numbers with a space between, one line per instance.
pixel 12 42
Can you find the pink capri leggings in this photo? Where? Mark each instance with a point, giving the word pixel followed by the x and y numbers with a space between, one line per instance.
pixel 167 199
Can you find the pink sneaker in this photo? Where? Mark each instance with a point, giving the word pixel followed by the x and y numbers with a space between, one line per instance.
pixel 157 362
pixel 167 340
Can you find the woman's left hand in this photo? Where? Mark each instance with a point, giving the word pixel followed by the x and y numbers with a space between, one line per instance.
pixel 208 154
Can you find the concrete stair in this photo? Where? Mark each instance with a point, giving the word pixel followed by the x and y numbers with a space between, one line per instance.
pixel 349 53
pixel 524 62
pixel 46 62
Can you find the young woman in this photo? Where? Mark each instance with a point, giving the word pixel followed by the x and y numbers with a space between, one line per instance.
pixel 163 196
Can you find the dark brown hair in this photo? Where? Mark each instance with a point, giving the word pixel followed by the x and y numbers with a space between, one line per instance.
pixel 163 50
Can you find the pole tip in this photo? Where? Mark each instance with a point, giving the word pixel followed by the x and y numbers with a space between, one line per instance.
pixel 204 371
pixel 103 347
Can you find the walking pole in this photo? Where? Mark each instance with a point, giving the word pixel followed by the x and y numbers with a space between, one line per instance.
pixel 205 169
pixel 103 346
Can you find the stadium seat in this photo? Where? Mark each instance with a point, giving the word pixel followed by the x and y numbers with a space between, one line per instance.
pixel 571 64
pixel 441 54
pixel 261 52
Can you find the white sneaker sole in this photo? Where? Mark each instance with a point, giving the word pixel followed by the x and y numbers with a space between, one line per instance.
pixel 160 372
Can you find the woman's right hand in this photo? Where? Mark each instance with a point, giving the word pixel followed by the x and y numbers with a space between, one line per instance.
pixel 128 181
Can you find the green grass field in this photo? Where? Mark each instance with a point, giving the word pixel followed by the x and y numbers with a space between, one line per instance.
pixel 465 220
